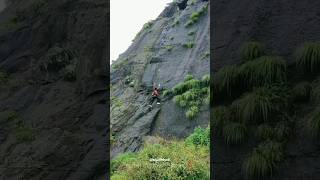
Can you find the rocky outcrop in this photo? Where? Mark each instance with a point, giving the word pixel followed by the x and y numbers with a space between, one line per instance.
pixel 164 52
pixel 55 55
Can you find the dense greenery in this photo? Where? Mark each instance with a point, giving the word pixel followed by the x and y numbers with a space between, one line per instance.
pixel 195 16
pixel 233 80
pixel 252 100
pixel 191 94
pixel 187 160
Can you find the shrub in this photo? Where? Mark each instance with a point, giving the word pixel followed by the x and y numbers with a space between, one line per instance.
pixel 225 81
pixel 122 160
pixel 194 17
pixel 192 112
pixel 308 57
pixel 232 81
pixel 167 93
pixel 256 167
pixel 24 134
pixel 255 107
pixel 188 77
pixel 262 161
pixel 186 162
pixel 200 136
pixel 147 25
pixel 206 80
pixel 301 92
pixel 251 51
pixel 262 71
pixel 234 133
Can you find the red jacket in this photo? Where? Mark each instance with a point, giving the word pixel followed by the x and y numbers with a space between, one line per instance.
pixel 155 92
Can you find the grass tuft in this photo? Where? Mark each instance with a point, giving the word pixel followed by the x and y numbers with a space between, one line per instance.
pixel 263 160
pixel 252 50
pixel 308 57
pixel 234 133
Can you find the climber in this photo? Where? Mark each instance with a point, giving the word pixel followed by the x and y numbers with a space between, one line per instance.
pixel 155 96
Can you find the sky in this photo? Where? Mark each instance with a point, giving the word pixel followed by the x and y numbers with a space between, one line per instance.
pixel 127 18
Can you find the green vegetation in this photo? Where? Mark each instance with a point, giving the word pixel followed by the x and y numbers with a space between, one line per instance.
pixel 191 33
pixel 263 160
pixel 120 63
pixel 116 102
pixel 252 50
pixel 256 107
pixel 253 100
pixel 308 57
pixel 205 55
pixel 234 133
pixel 147 25
pixel 188 45
pixel 192 112
pixel 194 17
pixel 168 47
pixel 189 159
pixel 191 94
pixel 200 136
pixel 231 81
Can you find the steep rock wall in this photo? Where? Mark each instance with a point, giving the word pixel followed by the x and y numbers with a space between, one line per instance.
pixel 55 55
pixel 158 56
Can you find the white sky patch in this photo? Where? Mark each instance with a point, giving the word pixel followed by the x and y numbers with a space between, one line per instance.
pixel 127 18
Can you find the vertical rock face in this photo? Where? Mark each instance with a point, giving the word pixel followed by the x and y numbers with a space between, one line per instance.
pixel 282 26
pixel 54 56
pixel 163 53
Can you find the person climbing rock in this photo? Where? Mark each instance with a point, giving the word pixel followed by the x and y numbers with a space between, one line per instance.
pixel 155 96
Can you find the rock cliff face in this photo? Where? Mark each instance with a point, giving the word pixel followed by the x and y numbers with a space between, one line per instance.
pixel 164 52
pixel 282 26
pixel 53 89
